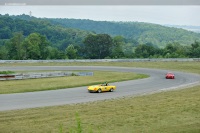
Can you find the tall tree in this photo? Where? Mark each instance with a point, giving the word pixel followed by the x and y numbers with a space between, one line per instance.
pixel 71 52
pixel 14 46
pixel 145 50
pixel 53 53
pixel 32 45
pixel 195 50
pixel 44 51
pixel 3 53
pixel 98 46
pixel 118 43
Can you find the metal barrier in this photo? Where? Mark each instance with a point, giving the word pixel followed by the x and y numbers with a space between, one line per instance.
pixel 105 60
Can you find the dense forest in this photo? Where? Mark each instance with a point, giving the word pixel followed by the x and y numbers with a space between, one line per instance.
pixel 23 37
pixel 138 31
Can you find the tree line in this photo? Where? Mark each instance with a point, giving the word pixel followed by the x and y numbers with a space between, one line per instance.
pixel 95 46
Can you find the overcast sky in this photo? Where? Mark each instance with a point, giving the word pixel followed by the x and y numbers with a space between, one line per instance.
pixel 171 14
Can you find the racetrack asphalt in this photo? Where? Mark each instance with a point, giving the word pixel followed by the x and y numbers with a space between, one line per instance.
pixel 155 83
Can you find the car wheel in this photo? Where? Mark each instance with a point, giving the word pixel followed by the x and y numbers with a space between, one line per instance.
pixel 111 90
pixel 99 91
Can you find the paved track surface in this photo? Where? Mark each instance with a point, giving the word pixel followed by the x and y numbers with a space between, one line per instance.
pixel 156 82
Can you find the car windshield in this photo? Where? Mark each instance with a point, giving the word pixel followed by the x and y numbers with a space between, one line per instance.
pixel 170 73
pixel 104 84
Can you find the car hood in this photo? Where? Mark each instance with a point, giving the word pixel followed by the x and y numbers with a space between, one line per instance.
pixel 93 86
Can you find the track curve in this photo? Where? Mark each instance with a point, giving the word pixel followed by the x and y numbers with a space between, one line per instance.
pixel 156 82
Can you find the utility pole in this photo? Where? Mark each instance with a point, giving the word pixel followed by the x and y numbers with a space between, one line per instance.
pixel 30 14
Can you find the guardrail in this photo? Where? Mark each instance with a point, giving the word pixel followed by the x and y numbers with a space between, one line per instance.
pixel 42 75
pixel 105 60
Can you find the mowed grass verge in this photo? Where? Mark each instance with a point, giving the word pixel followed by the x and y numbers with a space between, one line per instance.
pixel 42 84
pixel 166 112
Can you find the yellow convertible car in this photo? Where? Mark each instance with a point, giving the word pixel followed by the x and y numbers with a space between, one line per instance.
pixel 101 88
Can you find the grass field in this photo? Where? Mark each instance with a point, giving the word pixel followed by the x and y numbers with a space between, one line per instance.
pixel 175 111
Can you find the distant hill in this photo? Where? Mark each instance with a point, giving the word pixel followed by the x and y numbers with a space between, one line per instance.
pixel 141 32
pixel 187 27
pixel 61 32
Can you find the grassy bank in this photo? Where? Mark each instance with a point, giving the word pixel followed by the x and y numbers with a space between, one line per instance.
pixel 31 85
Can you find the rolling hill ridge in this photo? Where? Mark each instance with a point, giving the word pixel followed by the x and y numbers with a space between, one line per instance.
pixel 133 32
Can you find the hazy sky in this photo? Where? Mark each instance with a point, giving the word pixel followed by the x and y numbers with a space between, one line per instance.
pixel 171 14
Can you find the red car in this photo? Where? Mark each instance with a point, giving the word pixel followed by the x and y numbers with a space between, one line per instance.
pixel 170 75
